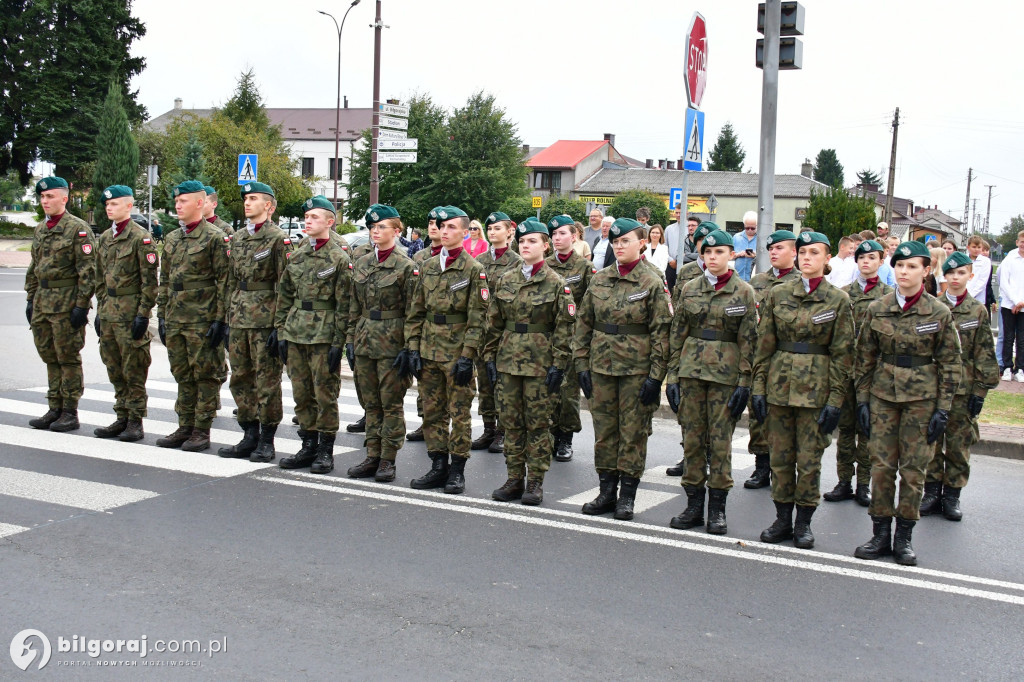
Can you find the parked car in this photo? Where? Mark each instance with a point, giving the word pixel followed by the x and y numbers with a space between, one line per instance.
pixel 142 220
pixel 355 239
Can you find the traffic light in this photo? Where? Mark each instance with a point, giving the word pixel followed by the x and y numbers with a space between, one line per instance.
pixel 791 54
pixel 791 50
pixel 792 19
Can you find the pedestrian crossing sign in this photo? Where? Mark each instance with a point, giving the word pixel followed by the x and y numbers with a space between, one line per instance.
pixel 248 166
pixel 694 158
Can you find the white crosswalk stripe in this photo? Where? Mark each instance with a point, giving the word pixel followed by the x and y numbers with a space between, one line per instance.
pixel 68 492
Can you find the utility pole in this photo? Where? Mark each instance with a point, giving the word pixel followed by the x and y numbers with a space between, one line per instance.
pixel 892 169
pixel 974 215
pixel 769 118
pixel 967 201
pixel 989 209
pixel 378 27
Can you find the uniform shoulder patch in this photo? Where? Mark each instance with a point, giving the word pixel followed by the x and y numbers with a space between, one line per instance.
pixel 485 294
pixel 568 290
pixel 287 240
pixel 147 240
pixel 593 271
pixel 227 238
pixel 86 249
pixel 82 233
pixel 415 272
pixel 350 266
pixel 483 275
pixel 572 310
pixel 151 257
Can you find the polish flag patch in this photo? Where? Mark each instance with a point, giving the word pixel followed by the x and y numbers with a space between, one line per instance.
pixel 227 238
pixel 82 234
pixel 568 290
pixel 151 257
pixel 86 249
pixel 287 241
pixel 483 275
pixel 415 273
pixel 146 240
pixel 572 309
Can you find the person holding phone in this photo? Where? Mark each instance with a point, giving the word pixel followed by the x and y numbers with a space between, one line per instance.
pixel 746 246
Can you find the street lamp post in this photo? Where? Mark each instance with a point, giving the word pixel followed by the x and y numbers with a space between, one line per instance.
pixel 337 109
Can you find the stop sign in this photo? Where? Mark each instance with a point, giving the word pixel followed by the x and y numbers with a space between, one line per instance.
pixel 696 60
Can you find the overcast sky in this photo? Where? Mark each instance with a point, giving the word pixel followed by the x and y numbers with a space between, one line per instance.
pixel 576 69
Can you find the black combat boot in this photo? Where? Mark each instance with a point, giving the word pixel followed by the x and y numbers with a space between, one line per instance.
pixel 324 462
pixel 863 494
pixel 627 496
pixel 438 474
pixel 563 446
pixel 133 432
pixel 608 495
pixel 485 439
pixel 782 529
pixel 176 439
pixel 951 503
pixel 365 469
pixel 534 494
pixel 678 469
pixel 358 427
pixel 902 550
pixel 762 472
pixel 246 446
pixel 67 421
pixel 693 515
pixel 386 471
pixel 931 503
pixel 115 429
pixel 415 435
pixel 880 543
pixel 802 535
pixel 498 446
pixel 512 489
pixel 265 451
pixel 716 512
pixel 843 491
pixel 44 422
pixel 306 454
pixel 198 441
pixel 295 419
pixel 456 483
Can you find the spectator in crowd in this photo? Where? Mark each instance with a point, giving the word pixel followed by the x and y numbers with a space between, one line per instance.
pixel 844 267
pixel 990 295
pixel 476 243
pixel 413 245
pixel 745 246
pixel 579 244
pixel 657 251
pixel 868 234
pixel 601 249
pixel 1011 294
pixel 949 246
pixel 935 283
pixel 883 231
pixel 672 242
pixel 643 214
pixel 982 269
pixel 688 251
pixel 886 274
pixel 593 232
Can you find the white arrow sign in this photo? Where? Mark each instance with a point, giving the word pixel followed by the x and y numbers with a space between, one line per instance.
pixel 396 157
pixel 392 122
pixel 394 110
pixel 407 144
pixel 385 134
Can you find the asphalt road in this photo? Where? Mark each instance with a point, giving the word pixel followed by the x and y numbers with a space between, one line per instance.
pixel 305 577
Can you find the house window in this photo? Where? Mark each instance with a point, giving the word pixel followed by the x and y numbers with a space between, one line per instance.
pixel 307 167
pixel 549 180
pixel 330 168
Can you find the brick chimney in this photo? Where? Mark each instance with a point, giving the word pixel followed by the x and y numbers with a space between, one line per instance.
pixel 177 104
pixel 610 138
pixel 807 168
pixel 649 163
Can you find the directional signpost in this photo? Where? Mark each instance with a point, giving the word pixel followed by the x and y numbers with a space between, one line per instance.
pixel 396 157
pixel 408 144
pixel 393 142
pixel 385 134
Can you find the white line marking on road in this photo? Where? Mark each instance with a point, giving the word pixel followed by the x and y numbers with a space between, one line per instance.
pixel 645 498
pixel 10 529
pixel 68 492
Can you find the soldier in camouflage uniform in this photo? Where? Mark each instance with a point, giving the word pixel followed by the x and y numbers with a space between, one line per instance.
pixel 620 347
pixel 126 265
pixel 781 246
pixel 951 466
pixel 382 288
pixel 446 329
pixel 801 370
pixel 527 351
pixel 356 255
pixel 907 372
pixel 209 214
pixel 576 271
pixel 191 313
pixel 60 281
pixel 714 332
pixel 256 261
pixel 497 260
pixel 311 322
pixel 433 249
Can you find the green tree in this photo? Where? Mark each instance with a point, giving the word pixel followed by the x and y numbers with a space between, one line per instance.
pixel 868 177
pixel 836 213
pixel 190 164
pixel 827 168
pixel 519 208
pixel 561 204
pixel 246 106
pixel 624 205
pixel 727 154
pixel 117 154
pixel 1008 239
pixel 12 191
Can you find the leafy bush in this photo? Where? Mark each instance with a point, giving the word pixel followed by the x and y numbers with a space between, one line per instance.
pixel 626 204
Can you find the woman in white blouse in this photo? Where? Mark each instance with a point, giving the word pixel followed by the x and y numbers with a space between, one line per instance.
pixel 657 251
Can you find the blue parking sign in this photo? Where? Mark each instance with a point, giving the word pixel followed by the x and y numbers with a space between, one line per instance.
pixel 248 168
pixel 675 197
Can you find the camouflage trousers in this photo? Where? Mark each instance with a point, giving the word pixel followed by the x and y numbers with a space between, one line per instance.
pixel 255 377
pixel 899 442
pixel 127 362
pixel 708 427
pixel 952 466
pixel 758 443
pixel 200 371
pixel 567 407
pixel 621 424
pixel 485 395
pixel 383 393
pixel 796 446
pixel 526 406
pixel 315 388
pixel 60 347
pixel 442 400
pixel 851 446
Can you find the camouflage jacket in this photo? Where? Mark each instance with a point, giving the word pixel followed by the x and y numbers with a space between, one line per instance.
pixel 193 277
pixel 496 268
pixel 860 301
pixel 313 295
pixel 449 308
pixel 379 306
pixel 543 309
pixel 422 255
pixel 255 265
pixel 714 333
pixel 925 332
pixel 126 268
pixel 686 274
pixel 576 272
pixel 764 282
pixel 978 353
pixel 807 377
pixel 640 301
pixel 62 272
pixel 223 226
pixel 360 251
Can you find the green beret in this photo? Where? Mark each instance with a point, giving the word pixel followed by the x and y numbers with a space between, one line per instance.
pixel 448 212
pixel 716 238
pixel 496 217
pixel 703 230
pixel 209 190
pixel 781 236
pixel 255 188
pixel 319 201
pixel 910 250
pixel 808 238
pixel 955 260
pixel 116 192
pixel 623 226
pixel 379 212
pixel 531 225
pixel 51 182
pixel 434 211
pixel 867 246
pixel 560 220
pixel 189 187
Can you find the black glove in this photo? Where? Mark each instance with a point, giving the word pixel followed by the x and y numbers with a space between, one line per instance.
pixel 864 419
pixel 334 359
pixel 28 312
pixel 161 329
pixel 650 392
pixel 139 326
pixel 96 324
pixel 227 337
pixel 415 363
pixel 271 346
pixel 492 373
pixel 401 363
pixel 672 393
pixel 554 379
pixel 586 385
pixel 974 405
pixel 738 401
pixel 759 408
pixel 463 371
pixel 215 334
pixel 937 425
pixel 828 419
pixel 79 317
pixel 350 355
pixel 282 351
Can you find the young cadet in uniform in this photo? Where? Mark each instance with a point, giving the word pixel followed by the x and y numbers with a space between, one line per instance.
pixel 528 338
pixel 850 449
pixel 908 369
pixel 781 246
pixel 620 346
pixel 256 260
pixel 801 369
pixel 950 467
pixel 60 281
pixel 576 271
pixel 359 426
pixel 311 322
pixel 191 313
pixel 432 250
pixel 497 260
pixel 714 332
pixel 445 332
pixel 126 264
pixel 209 208
pixel 382 286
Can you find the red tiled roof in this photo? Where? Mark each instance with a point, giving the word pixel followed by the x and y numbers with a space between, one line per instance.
pixel 565 153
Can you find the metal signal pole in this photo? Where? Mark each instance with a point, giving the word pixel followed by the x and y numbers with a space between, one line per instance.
pixel 378 27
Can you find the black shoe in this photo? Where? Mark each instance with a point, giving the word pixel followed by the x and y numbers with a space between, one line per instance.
pixel 386 471
pixel 365 469
pixel 843 491
pixel 498 446
pixel 234 412
pixel 802 535
pixel 67 421
pixel 264 451
pixel 762 472
pixel 782 529
pixel 863 494
pixel 563 446
pixel 693 515
pixel 931 503
pixel 246 446
pixel 902 550
pixel 606 498
pixel 880 543
pixel 534 494
pixel 115 429
pixel 306 454
pixel 951 503
pixel 485 439
pixel 716 512
pixel 358 427
pixel 133 432
pixel 295 419
pixel 510 490
pixel 627 496
pixel 678 470
pixel 438 474
pixel 324 462
pixel 175 439
pixel 456 483
pixel 415 435
pixel 44 422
